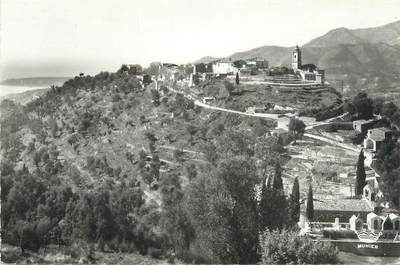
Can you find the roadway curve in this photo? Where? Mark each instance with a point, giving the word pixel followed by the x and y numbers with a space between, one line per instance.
pixel 274 117
pixel 333 142
pixel 262 115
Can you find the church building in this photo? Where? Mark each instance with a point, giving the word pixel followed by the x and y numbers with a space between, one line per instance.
pixel 307 72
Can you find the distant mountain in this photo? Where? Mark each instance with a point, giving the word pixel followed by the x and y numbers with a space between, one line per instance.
pixel 275 54
pixel 35 81
pixel 206 59
pixel 365 59
pixel 335 37
pixel 388 34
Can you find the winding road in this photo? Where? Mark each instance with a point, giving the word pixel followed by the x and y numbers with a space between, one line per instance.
pixel 309 124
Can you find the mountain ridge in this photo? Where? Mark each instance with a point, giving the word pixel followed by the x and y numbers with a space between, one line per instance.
pixel 366 59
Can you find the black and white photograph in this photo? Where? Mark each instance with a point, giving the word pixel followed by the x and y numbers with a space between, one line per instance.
pixel 185 132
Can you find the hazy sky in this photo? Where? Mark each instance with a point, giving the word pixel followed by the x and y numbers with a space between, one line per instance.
pixel 65 37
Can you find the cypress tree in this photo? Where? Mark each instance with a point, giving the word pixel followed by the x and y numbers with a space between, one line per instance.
pixel 310 204
pixel 264 210
pixel 278 209
pixel 269 182
pixel 360 180
pixel 237 78
pixel 277 182
pixel 294 203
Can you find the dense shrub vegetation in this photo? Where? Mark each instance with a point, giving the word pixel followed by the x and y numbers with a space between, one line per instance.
pixel 287 247
pixel 71 174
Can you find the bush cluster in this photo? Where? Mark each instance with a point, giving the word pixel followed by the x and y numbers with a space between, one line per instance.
pixel 287 247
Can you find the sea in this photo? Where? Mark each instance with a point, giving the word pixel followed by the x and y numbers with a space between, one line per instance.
pixel 8 90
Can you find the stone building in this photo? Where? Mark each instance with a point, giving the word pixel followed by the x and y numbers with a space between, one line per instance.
pixel 361 126
pixel 296 58
pixel 259 63
pixel 224 67
pixel 307 72
pixel 375 138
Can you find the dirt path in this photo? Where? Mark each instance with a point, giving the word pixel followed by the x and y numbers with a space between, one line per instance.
pixel 207 106
pixel 351 148
pixel 261 115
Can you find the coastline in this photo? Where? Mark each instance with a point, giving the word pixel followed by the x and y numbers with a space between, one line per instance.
pixel 7 91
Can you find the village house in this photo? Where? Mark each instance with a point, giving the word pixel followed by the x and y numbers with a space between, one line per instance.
pixel 307 72
pixel 375 138
pixel 224 67
pixel 256 62
pixel 200 73
pixel 326 210
pixel 283 122
pixel 168 71
pixel 361 126
pixel 201 68
pixel 251 66
pixel 196 78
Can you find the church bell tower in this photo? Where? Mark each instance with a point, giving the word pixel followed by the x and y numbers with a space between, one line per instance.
pixel 296 58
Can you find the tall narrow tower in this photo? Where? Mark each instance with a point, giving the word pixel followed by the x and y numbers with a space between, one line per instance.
pixel 296 58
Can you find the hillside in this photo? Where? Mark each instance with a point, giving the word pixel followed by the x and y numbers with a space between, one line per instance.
pixel 108 168
pixel 365 59
pixel 105 145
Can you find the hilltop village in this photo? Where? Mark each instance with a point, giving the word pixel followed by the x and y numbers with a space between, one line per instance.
pixel 184 160
pixel 369 209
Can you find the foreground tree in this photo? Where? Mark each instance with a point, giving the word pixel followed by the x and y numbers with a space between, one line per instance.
pixel 296 128
pixel 264 206
pixel 391 186
pixel 174 219
pixel 310 204
pixel 277 199
pixel 360 174
pixel 222 204
pixel 363 105
pixel 294 203
pixel 239 178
